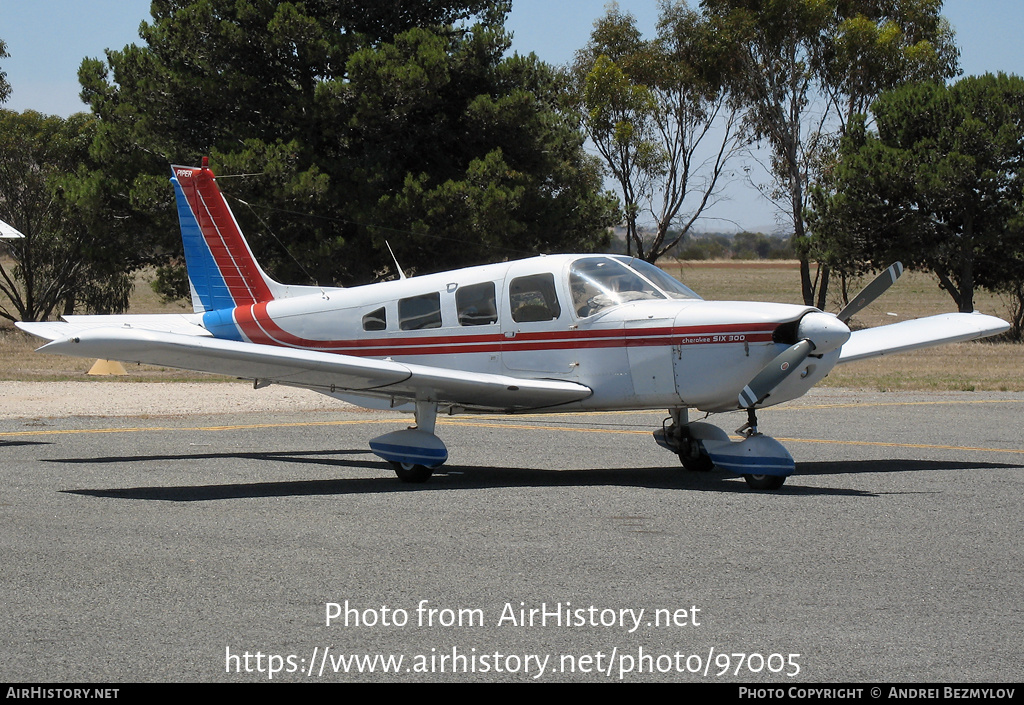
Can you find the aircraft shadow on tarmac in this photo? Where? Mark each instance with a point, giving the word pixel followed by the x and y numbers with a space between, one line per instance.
pixel 456 477
pixel 890 465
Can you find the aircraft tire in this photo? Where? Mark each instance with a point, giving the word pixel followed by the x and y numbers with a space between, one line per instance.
pixel 701 462
pixel 409 472
pixel 764 482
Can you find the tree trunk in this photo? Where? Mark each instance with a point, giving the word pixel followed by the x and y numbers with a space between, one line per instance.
pixel 967 266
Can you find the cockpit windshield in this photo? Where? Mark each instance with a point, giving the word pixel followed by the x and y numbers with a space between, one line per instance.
pixel 600 282
pixel 666 282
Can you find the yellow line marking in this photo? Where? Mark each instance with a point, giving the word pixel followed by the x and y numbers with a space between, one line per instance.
pixel 785 406
pixel 534 427
pixel 484 424
pixel 4 434
pixel 781 440
pixel 511 419
pixel 855 405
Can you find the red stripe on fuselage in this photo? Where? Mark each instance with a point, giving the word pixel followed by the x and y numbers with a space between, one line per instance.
pixel 259 327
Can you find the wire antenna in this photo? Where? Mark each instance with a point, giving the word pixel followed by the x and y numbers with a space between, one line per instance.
pixel 279 242
pixel 401 274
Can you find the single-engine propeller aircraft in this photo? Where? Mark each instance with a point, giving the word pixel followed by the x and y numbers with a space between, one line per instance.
pixel 550 333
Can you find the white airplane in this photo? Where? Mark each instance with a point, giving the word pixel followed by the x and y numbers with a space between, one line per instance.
pixel 545 334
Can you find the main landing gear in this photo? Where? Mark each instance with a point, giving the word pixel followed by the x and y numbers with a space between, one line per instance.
pixel 761 461
pixel 681 437
pixel 411 472
pixel 764 482
pixel 413 452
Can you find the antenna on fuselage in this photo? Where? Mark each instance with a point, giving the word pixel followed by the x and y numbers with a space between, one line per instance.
pixel 401 274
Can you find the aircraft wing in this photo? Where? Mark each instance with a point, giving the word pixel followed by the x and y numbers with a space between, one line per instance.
pixel 321 371
pixel 919 333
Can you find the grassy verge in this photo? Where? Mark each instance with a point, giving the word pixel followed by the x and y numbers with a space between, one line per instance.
pixel 966 367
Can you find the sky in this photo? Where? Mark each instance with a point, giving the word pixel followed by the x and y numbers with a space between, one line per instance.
pixel 47 40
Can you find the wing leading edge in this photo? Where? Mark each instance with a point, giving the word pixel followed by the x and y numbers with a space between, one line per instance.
pixel 325 372
pixel 920 333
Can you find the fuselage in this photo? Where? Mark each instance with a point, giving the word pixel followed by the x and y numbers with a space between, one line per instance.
pixel 636 337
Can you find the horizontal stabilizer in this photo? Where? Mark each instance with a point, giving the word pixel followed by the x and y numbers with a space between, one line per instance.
pixel 9 232
pixel 180 323
pixel 920 333
pixel 321 371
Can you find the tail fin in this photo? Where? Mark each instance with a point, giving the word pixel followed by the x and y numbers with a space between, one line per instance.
pixel 222 271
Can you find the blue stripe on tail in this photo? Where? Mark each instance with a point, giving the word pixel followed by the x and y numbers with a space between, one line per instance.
pixel 209 291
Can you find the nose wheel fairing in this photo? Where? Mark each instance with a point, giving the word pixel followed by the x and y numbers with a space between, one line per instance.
pixel 760 460
pixel 755 455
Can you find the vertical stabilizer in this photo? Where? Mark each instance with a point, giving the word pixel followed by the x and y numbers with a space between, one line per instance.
pixel 222 271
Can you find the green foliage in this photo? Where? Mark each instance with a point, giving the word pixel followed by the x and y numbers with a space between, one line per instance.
pixel 5 87
pixel 878 45
pixel 74 255
pixel 748 245
pixel 804 68
pixel 937 184
pixel 744 246
pixel 647 105
pixel 353 122
pixel 450 139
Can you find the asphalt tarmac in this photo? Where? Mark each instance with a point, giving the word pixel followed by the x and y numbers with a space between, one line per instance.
pixel 276 547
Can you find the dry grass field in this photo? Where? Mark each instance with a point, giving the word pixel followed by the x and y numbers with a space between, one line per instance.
pixel 961 367
pixel 20 363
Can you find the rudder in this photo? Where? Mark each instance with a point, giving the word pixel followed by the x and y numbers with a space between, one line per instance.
pixel 222 271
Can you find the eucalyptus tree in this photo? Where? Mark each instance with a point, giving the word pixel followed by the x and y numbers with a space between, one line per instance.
pixel 73 257
pixel 656 111
pixel 803 68
pixel 5 87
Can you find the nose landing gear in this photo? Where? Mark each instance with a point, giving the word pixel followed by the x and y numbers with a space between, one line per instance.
pixel 760 460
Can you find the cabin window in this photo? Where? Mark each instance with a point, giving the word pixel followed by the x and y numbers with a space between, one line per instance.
pixel 420 312
pixel 533 298
pixel 475 304
pixel 375 320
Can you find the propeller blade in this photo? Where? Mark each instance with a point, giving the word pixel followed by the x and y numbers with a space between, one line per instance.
pixel 871 292
pixel 772 374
